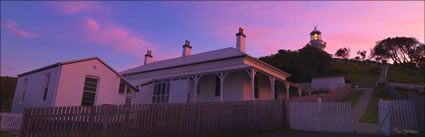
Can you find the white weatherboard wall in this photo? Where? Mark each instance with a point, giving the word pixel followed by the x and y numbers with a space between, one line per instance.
pixel 327 83
pixel 70 90
pixel 34 91
pixel 178 91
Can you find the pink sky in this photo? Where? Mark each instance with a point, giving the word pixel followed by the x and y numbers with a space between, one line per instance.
pixel 121 32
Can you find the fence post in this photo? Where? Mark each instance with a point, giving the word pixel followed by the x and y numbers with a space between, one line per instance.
pixel 90 122
pixel 24 122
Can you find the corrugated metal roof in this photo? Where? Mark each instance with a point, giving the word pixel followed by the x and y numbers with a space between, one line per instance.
pixel 187 60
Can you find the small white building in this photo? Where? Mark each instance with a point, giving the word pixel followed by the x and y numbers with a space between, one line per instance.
pixel 86 82
pixel 327 83
pixel 227 74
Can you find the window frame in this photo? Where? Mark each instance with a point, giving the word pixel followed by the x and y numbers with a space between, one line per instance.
pixel 161 92
pixel 46 87
pixel 217 86
pixel 24 88
pixel 95 92
pixel 256 88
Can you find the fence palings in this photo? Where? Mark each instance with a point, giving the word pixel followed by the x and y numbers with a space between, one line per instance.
pixel 192 119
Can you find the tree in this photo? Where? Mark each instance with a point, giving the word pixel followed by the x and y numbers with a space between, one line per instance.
pixel 399 49
pixel 362 54
pixel 302 64
pixel 343 53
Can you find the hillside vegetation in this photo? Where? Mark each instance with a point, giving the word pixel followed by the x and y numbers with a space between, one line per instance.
pixel 7 91
pixel 356 72
pixel 405 75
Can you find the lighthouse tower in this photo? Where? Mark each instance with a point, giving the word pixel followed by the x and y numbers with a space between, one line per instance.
pixel 316 39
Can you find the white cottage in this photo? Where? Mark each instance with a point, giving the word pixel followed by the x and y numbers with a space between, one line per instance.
pixel 86 82
pixel 227 74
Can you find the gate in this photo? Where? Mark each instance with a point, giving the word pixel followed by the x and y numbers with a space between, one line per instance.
pixel 384 117
pixel 397 114
pixel 325 117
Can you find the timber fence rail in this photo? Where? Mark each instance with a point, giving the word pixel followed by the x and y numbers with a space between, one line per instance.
pixel 337 95
pixel 193 119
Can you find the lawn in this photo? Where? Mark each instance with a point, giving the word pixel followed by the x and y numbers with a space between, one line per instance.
pixel 5 134
pixel 405 91
pixel 356 72
pixel 371 114
pixel 405 75
pixel 354 97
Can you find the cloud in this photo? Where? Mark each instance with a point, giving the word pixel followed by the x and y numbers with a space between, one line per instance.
pixel 116 36
pixel 17 30
pixel 92 24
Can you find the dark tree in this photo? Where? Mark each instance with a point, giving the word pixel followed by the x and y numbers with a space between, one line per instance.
pixel 343 53
pixel 302 64
pixel 399 49
pixel 362 54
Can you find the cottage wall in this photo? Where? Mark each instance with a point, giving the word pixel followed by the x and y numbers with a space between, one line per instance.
pixel 72 79
pixel 35 90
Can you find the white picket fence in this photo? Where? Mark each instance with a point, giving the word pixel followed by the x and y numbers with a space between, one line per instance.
pixel 324 117
pixel 10 121
pixel 400 114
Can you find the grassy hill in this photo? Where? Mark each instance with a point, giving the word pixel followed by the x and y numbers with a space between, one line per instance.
pixel 405 75
pixel 356 72
pixel 7 91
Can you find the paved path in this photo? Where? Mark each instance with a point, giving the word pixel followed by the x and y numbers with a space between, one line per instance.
pixel 359 109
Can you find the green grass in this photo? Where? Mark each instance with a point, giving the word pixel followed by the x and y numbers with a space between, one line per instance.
pixel 371 114
pixel 405 92
pixel 354 97
pixel 355 72
pixel 405 75
pixel 5 134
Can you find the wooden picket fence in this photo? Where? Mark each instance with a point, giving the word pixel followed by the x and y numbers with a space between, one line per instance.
pixel 10 121
pixel 397 114
pixel 338 95
pixel 324 117
pixel 151 120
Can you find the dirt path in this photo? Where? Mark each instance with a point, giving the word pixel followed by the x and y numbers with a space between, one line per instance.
pixel 359 109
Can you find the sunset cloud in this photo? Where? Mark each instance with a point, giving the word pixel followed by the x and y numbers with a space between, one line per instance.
pixel 17 30
pixel 116 36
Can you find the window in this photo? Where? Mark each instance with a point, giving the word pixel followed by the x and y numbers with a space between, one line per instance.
pixel 46 86
pixel 121 90
pixel 217 86
pixel 128 101
pixel 24 89
pixel 256 87
pixel 161 91
pixel 89 93
pixel 315 37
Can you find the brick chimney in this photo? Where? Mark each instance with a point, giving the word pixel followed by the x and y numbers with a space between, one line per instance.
pixel 187 49
pixel 240 40
pixel 148 57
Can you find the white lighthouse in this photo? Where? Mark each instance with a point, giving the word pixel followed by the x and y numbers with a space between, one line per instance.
pixel 316 39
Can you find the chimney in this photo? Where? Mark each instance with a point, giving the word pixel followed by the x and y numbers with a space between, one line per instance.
pixel 240 40
pixel 187 49
pixel 148 57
